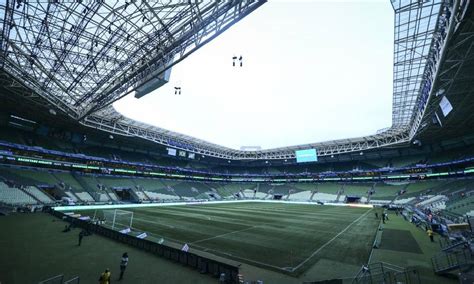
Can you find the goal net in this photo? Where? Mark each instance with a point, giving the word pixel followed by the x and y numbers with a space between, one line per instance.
pixel 118 219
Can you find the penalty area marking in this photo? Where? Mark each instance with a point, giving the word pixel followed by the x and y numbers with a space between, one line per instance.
pixel 243 259
pixel 331 240
pixel 225 234
pixel 153 222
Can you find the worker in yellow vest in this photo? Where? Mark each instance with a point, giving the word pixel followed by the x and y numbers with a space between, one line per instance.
pixel 105 277
pixel 430 234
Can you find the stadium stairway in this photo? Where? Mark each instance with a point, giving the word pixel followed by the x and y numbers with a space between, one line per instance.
pixel 145 196
pixel 339 194
pixel 172 192
pixel 85 187
pixel 47 193
pixel 110 194
pixel 37 194
pixel 105 194
pixel 69 185
pixel 30 195
pixel 74 196
pixel 213 193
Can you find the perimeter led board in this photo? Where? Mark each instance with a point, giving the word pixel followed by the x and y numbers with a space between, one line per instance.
pixel 303 156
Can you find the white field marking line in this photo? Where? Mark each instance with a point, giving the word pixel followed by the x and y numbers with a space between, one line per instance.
pixel 330 241
pixel 320 218
pixel 282 212
pixel 186 215
pixel 219 252
pixel 238 257
pixel 153 222
pixel 228 233
pixel 314 216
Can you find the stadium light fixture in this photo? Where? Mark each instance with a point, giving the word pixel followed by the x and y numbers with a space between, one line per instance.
pixel 234 58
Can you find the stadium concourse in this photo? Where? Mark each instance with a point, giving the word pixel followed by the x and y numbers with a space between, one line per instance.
pixel 80 184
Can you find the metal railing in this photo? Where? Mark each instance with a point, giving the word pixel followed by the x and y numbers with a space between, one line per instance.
pixel 448 261
pixel 58 279
pixel 382 272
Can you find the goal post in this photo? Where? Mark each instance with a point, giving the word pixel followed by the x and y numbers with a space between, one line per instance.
pixel 118 219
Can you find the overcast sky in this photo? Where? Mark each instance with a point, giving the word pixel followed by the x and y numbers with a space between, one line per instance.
pixel 312 71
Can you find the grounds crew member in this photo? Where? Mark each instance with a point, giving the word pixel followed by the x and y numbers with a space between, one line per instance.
pixel 430 234
pixel 105 277
pixel 81 235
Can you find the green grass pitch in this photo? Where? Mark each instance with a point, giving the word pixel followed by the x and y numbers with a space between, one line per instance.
pixel 283 237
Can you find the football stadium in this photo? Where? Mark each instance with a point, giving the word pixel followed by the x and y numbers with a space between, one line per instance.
pixel 90 193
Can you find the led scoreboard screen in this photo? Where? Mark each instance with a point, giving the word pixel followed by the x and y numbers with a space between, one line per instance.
pixel 309 155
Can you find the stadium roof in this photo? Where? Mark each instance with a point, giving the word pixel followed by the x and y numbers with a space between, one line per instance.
pixel 83 55
pixel 415 24
pixel 80 56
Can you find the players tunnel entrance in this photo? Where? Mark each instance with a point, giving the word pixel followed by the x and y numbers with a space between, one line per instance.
pixel 125 194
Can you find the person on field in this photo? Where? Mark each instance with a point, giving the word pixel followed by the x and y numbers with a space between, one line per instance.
pixel 81 235
pixel 105 277
pixel 430 234
pixel 123 265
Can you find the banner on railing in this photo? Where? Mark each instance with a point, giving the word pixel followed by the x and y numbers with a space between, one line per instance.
pixel 125 231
